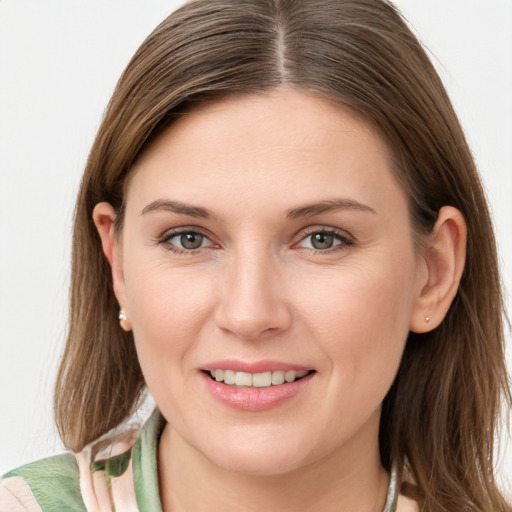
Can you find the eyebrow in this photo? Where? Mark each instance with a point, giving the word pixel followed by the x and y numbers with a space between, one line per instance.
pixel 327 206
pixel 309 210
pixel 180 208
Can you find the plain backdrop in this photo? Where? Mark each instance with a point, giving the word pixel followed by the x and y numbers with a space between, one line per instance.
pixel 59 63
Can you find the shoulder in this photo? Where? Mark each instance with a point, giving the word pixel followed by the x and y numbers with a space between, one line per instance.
pixel 46 485
pixel 116 472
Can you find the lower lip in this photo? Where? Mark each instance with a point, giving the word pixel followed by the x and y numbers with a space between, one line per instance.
pixel 255 399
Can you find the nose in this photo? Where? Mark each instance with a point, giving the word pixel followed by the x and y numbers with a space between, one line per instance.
pixel 252 303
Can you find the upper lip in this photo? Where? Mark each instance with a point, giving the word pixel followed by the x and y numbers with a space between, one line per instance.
pixel 254 366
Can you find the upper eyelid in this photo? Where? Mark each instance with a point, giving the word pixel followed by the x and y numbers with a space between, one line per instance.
pixel 169 233
pixel 305 232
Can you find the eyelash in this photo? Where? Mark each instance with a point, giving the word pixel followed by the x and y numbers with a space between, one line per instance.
pixel 344 239
pixel 169 235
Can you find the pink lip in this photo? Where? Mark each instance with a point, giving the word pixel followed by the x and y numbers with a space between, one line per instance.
pixel 254 399
pixel 254 367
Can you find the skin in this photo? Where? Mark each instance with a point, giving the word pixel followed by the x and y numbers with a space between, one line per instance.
pixel 258 289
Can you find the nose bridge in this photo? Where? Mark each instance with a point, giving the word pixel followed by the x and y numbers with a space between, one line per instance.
pixel 252 302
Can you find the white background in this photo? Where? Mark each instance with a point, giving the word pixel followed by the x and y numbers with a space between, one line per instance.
pixel 59 62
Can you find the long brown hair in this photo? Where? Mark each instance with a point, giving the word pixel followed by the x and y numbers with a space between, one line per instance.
pixel 440 416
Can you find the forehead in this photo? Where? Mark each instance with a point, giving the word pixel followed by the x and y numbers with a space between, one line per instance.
pixel 284 144
pixel 284 111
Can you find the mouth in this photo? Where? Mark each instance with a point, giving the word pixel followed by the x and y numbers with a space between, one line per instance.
pixel 256 380
pixel 256 386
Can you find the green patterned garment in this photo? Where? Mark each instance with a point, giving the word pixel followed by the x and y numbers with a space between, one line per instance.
pixel 116 473
pixel 120 477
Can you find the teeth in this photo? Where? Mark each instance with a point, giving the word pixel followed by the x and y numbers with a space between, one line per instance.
pixel 257 380
pixel 262 380
pixel 229 377
pixel 277 378
pixel 289 376
pixel 243 379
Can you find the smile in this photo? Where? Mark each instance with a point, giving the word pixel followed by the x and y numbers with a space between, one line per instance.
pixel 257 380
pixel 258 391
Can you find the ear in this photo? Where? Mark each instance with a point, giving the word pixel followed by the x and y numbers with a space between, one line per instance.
pixel 104 218
pixel 442 263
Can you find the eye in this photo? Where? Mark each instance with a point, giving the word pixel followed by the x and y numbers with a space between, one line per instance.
pixel 184 241
pixel 323 240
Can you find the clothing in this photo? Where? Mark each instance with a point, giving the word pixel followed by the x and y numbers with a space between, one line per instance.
pixel 107 475
pixel 122 474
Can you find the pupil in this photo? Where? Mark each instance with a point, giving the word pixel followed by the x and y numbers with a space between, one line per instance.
pixel 191 240
pixel 322 241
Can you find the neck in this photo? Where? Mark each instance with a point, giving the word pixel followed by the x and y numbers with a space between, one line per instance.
pixel 352 479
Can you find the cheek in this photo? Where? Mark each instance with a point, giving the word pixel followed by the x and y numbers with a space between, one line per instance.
pixel 363 322
pixel 167 307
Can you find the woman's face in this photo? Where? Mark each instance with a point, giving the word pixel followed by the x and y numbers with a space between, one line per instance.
pixel 266 238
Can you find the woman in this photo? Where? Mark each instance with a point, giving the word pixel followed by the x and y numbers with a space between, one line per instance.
pixel 281 232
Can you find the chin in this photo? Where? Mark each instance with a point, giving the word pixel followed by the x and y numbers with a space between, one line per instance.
pixel 259 459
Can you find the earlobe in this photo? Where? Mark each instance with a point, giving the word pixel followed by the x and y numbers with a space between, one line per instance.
pixel 104 217
pixel 443 263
